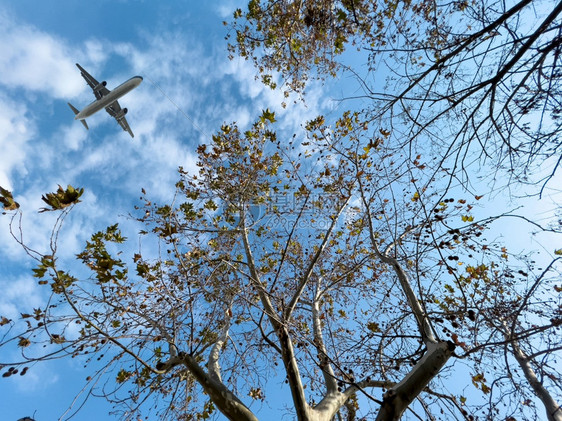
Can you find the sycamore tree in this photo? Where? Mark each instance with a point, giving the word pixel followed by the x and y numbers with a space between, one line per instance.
pixel 476 79
pixel 344 271
pixel 317 269
pixel 475 84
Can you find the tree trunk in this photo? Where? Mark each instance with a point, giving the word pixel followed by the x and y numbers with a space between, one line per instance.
pixel 221 396
pixel 397 399
pixel 553 410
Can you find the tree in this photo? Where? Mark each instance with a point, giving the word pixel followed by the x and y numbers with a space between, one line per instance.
pixel 344 262
pixel 481 80
pixel 477 81
pixel 327 270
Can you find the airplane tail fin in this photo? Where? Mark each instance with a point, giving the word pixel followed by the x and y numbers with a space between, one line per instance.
pixel 76 112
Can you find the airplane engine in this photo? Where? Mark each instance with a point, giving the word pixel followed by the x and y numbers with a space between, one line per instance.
pixel 100 85
pixel 121 114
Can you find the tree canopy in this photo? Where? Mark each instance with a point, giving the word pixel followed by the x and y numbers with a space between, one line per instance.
pixel 466 75
pixel 349 269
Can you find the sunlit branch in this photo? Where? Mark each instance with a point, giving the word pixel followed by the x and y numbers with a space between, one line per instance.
pixel 325 366
pixel 308 272
pixel 285 342
pixel 553 409
pixel 423 322
pixel 213 365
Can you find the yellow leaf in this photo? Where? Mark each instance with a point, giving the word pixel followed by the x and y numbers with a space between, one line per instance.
pixel 7 200
pixel 23 342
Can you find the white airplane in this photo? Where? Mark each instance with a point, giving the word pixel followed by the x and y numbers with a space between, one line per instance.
pixel 106 99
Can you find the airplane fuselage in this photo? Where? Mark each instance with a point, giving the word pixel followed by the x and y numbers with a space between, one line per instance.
pixel 110 98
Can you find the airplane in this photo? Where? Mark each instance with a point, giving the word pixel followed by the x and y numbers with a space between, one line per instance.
pixel 106 99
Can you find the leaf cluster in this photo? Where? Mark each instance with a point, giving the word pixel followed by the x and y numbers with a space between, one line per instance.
pixel 7 200
pixel 62 198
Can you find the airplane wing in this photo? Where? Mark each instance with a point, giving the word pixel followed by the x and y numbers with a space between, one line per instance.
pixel 115 111
pixel 99 88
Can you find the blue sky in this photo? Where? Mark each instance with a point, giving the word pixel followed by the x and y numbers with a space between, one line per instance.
pixel 190 88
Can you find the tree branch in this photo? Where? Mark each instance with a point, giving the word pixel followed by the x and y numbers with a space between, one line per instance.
pixel 287 351
pixel 325 366
pixel 397 399
pixel 423 322
pixel 553 409
pixel 213 364
pixel 306 277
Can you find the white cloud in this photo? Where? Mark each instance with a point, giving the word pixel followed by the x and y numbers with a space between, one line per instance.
pixel 17 294
pixel 41 377
pixel 95 51
pixel 36 61
pixel 15 131
pixel 73 136
pixel 225 9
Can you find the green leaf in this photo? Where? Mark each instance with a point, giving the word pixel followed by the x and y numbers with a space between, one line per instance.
pixel 268 115
pixel 209 204
pixel 61 198
pixel 39 272
pixel 123 376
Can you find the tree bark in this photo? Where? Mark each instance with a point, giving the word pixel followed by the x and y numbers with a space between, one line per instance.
pixel 553 410
pixel 222 397
pixel 226 401
pixel 397 399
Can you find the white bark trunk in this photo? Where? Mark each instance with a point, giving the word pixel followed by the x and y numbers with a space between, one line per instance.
pixel 397 399
pixel 553 410
pixel 226 401
pixel 285 343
